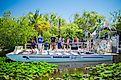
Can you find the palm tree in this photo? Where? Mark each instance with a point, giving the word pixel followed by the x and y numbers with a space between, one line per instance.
pixel 40 22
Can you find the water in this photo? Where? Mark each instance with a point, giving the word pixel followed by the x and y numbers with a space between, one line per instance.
pixel 72 67
pixel 80 64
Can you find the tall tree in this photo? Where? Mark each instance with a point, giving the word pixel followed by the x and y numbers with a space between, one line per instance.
pixel 14 32
pixel 38 22
pixel 71 30
pixel 89 21
pixel 116 19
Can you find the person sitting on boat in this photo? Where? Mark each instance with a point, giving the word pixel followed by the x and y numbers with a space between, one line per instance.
pixel 62 42
pixel 68 43
pixel 40 42
pixel 76 40
pixel 33 44
pixel 71 40
pixel 34 51
pixel 46 45
pixel 53 42
pixel 59 42
pixel 74 43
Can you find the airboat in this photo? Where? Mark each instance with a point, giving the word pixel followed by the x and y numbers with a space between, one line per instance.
pixel 57 56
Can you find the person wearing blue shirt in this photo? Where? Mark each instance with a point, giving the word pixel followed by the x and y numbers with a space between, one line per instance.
pixel 40 42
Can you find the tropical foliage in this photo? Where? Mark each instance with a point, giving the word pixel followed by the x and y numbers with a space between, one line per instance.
pixel 89 21
pixel 18 31
pixel 14 32
pixel 71 30
pixel 116 19
pixel 38 22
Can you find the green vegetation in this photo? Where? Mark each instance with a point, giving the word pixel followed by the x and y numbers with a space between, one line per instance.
pixel 89 21
pixel 116 16
pixel 104 32
pixel 18 31
pixel 14 32
pixel 38 70
pixel 24 70
pixel 106 72
pixel 99 72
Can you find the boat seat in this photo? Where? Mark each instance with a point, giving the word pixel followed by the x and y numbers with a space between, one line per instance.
pixel 18 47
pixel 58 53
pixel 66 53
pixel 44 52
pixel 74 53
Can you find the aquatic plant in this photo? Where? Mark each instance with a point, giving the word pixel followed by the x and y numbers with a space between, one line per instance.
pixel 24 70
pixel 41 70
pixel 98 72
pixel 105 71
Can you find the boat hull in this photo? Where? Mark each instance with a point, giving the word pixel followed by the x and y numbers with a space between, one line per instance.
pixel 58 58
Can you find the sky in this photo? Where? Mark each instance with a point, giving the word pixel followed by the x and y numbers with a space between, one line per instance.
pixel 63 8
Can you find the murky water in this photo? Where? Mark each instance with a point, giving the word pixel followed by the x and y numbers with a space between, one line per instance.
pixel 72 67
pixel 79 64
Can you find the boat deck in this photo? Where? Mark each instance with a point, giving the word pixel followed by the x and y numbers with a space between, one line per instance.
pixel 59 52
